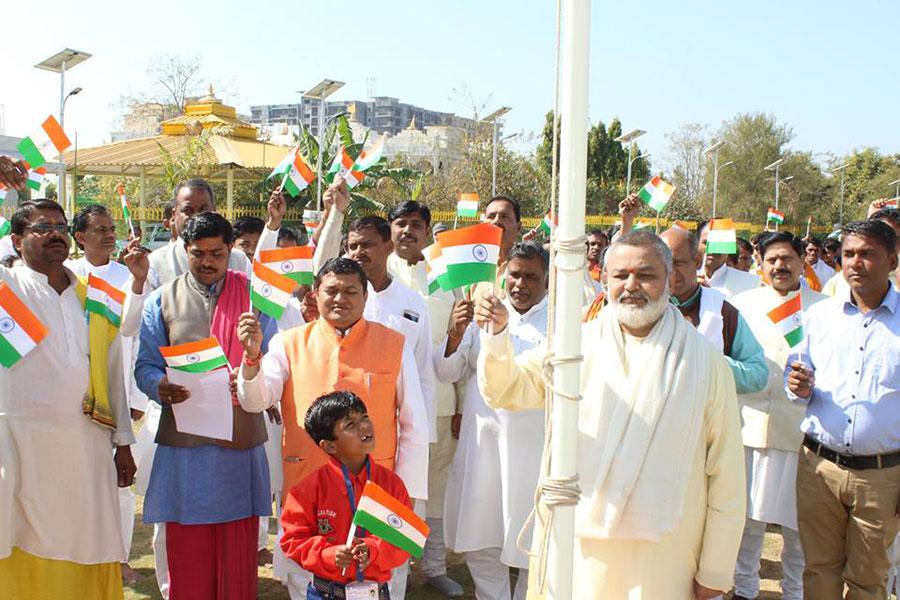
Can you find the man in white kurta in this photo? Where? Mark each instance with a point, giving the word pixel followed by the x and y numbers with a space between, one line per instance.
pixel 59 508
pixel 659 451
pixel 411 232
pixel 95 233
pixel 495 470
pixel 771 423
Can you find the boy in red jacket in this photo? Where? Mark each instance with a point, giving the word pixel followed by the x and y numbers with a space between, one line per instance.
pixel 318 512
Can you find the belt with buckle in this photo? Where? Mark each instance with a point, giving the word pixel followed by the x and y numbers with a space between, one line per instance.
pixel 336 590
pixel 847 461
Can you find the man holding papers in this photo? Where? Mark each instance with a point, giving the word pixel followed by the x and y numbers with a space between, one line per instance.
pixel 210 483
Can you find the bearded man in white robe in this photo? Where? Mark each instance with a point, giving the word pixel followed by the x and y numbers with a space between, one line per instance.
pixel 660 457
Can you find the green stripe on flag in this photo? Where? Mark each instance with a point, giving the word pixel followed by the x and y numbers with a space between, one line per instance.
pixel 290 187
pixel 206 365
pixel 8 355
pixel 32 184
pixel 5 227
pixel 30 153
pixel 794 337
pixel 434 286
pixel 99 308
pixel 301 277
pixel 382 530
pixel 265 305
pixel 721 248
pixel 468 273
pixel 465 212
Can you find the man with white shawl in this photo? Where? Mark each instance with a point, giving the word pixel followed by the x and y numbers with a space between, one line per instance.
pixel 659 450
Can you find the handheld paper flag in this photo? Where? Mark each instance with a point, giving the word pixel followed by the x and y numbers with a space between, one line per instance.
pixel 295 174
pixel 387 518
pixel 892 203
pixel 294 262
pixel 471 254
pixel 343 166
pixel 45 144
pixel 435 268
pixel 722 237
pixel 656 193
pixel 104 299
pixel 20 329
pixel 788 317
pixel 547 226
pixel 775 215
pixel 467 205
pixel 36 179
pixel 126 212
pixel 369 157
pixel 5 227
pixel 195 357
pixel 269 291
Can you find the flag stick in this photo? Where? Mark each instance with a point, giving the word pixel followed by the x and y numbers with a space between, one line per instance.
pixel 350 535
pixel 657 222
pixel 288 171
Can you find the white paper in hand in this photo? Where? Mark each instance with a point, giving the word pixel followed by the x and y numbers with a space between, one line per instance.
pixel 208 411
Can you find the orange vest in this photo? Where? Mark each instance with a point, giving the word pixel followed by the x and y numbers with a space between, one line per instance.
pixel 366 362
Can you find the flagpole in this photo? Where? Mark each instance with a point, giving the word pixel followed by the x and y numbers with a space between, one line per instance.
pixel 657 222
pixel 288 171
pixel 570 260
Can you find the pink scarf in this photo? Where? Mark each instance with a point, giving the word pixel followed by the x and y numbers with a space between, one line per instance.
pixel 234 300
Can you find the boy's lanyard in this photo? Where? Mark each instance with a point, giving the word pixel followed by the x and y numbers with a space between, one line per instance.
pixel 352 497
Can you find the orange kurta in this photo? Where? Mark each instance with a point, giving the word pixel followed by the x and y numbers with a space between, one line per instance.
pixel 366 362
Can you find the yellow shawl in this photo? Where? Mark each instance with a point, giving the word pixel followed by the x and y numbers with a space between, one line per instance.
pixel 100 335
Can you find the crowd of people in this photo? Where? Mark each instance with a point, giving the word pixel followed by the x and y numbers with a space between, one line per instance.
pixel 700 425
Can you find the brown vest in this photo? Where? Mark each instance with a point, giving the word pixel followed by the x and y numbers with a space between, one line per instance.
pixel 366 362
pixel 187 311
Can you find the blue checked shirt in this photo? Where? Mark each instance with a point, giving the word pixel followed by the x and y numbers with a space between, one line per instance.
pixel 855 405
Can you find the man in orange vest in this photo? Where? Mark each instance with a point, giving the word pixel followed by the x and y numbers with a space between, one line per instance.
pixel 340 351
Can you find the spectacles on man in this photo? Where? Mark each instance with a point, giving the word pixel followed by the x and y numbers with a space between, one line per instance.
pixel 47 228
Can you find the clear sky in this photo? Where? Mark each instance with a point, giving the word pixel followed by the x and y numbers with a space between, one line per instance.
pixel 829 69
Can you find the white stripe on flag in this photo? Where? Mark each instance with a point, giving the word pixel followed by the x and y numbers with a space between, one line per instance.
pixel 104 298
pixel 14 334
pixel 183 360
pixel 471 253
pixel 384 514
pixel 270 292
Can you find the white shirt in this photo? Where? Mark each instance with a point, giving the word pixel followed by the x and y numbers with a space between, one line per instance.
pixel 404 311
pixel 731 281
pixel 6 247
pixel 264 390
pixel 117 275
pixel 823 271
pixel 58 486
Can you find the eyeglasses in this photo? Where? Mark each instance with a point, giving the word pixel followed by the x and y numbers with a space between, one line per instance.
pixel 46 228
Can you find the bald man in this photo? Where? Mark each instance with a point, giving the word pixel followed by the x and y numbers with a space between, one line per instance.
pixel 713 316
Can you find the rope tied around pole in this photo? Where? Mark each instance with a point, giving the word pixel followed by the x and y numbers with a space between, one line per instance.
pixel 572 246
pixel 551 491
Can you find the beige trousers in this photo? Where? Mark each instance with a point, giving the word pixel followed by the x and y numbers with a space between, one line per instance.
pixel 847 523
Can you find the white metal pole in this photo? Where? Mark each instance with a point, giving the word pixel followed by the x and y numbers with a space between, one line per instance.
pixel 842 196
pixel 715 179
pixel 628 177
pixel 61 171
pixel 494 161
pixel 776 192
pixel 321 150
pixel 574 73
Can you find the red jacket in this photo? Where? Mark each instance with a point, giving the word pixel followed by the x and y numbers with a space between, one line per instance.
pixel 316 519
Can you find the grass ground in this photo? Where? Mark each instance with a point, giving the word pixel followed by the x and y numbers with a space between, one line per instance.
pixel 270 589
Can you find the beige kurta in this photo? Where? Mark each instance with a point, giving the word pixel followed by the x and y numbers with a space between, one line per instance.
pixel 705 541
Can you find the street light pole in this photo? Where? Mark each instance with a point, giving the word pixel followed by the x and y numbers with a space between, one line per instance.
pixel 714 150
pixel 59 63
pixel 841 168
pixel 775 166
pixel 897 190
pixel 320 92
pixel 628 138
pixel 493 119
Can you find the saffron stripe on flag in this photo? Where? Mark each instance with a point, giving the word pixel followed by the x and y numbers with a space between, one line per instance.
pixel 278 254
pixel 189 347
pixel 21 314
pixel 483 233
pixel 107 288
pixel 779 313
pixel 380 495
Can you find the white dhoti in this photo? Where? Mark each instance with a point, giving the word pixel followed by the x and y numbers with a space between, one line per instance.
pixel 772 486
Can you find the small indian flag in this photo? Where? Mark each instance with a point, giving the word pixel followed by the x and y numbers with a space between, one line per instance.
pixel 722 237
pixel 344 166
pixel 892 203
pixel 123 200
pixel 20 329
pixel 295 174
pixel 104 299
pixel 5 227
pixel 36 179
pixel 435 267
pixel 369 157
pixel 310 230
pixel 387 518
pixel 467 205
pixel 44 145
pixel 269 291
pixel 775 215
pixel 3 192
pixel 294 262
pixel 195 357
pixel 471 254
pixel 656 193
pixel 547 226
pixel 788 317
